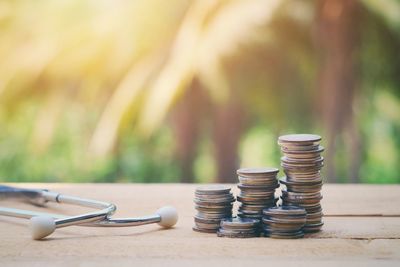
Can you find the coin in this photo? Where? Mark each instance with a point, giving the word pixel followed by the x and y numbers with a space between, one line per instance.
pixel 284 221
pixel 265 188
pixel 302 151
pixel 312 228
pixel 257 190
pixel 212 203
pixel 221 233
pixel 202 230
pixel 207 226
pixel 313 162
pixel 256 201
pixel 258 181
pixel 239 228
pixel 254 172
pixel 285 210
pixel 299 138
pixel 302 162
pixel 249 216
pixel 213 189
pixel 238 222
pixel 249 208
pixel 295 235
pixel 206 220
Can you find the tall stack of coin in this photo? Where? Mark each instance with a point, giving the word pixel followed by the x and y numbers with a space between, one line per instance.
pixel 302 162
pixel 284 222
pixel 213 203
pixel 239 228
pixel 257 191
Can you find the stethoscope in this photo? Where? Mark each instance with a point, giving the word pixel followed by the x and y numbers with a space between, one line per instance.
pixel 44 224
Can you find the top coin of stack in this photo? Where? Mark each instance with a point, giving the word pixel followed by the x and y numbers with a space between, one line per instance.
pixel 213 203
pixel 302 162
pixel 257 191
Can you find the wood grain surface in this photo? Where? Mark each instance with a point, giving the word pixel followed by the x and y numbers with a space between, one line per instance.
pixel 362 227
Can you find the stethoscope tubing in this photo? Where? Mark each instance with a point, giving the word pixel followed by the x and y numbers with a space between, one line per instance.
pixel 101 218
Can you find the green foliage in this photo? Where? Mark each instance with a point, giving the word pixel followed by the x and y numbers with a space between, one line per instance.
pixel 80 82
pixel 66 160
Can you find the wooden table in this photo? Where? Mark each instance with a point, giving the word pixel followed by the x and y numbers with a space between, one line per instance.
pixel 362 227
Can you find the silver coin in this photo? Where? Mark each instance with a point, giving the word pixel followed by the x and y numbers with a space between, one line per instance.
pixel 233 231
pixel 210 226
pixel 222 198
pixel 317 214
pixel 256 201
pixel 312 228
pixel 212 201
pixel 299 234
pixel 268 230
pixel 214 195
pixel 251 216
pixel 213 189
pixel 249 196
pixel 250 212
pixel 247 235
pixel 302 175
pixel 287 182
pixel 283 224
pixel 208 211
pixel 206 220
pixel 252 207
pixel 286 220
pixel 285 210
pixel 298 151
pixel 223 205
pixel 310 208
pixel 302 157
pixel 214 216
pixel 300 168
pixel 304 162
pixel 317 165
pixel 306 181
pixel 269 188
pixel 196 229
pixel 299 146
pixel 300 160
pixel 301 202
pixel 258 182
pixel 314 221
pixel 296 195
pixel 299 138
pixel 246 172
pixel 239 222
pixel 303 189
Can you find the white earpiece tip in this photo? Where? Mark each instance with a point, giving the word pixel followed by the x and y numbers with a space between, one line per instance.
pixel 169 216
pixel 41 226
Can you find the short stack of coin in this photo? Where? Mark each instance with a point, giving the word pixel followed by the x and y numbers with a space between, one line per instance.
pixel 239 228
pixel 284 222
pixel 213 203
pixel 257 191
pixel 302 162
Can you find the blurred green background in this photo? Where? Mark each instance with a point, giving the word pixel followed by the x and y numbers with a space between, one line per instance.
pixel 189 90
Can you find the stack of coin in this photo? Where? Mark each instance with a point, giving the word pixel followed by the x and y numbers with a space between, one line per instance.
pixel 302 162
pixel 213 203
pixel 257 191
pixel 284 222
pixel 239 228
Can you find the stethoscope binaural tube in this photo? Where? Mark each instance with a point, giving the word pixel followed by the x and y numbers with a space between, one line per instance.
pixel 43 224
